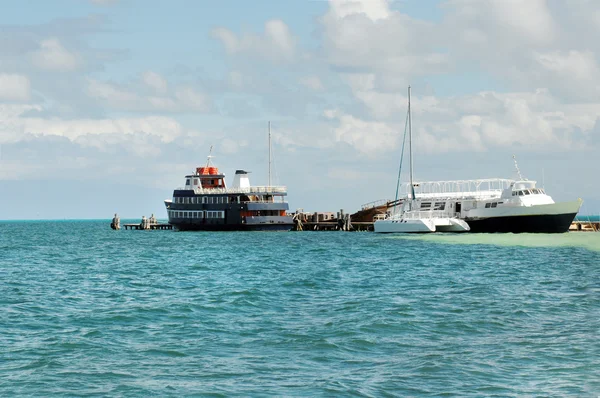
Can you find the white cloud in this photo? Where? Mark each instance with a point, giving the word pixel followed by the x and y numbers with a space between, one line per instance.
pixel 366 36
pixel 14 87
pixel 16 126
pixel 52 55
pixel 367 137
pixel 155 81
pixel 183 99
pixel 276 44
pixel 373 9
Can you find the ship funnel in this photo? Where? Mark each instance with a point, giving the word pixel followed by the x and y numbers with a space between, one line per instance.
pixel 241 179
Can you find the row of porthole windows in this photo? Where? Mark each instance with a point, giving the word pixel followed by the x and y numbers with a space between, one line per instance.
pixel 205 200
pixel 196 214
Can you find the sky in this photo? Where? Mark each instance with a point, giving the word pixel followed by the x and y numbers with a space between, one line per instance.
pixel 105 105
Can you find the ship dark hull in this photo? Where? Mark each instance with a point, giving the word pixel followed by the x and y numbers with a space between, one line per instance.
pixel 230 227
pixel 540 223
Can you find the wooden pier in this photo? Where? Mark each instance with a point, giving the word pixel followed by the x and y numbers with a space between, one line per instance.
pixel 588 226
pixel 151 226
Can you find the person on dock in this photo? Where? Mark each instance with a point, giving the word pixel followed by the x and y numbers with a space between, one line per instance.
pixel 153 220
pixel 116 222
pixel 144 224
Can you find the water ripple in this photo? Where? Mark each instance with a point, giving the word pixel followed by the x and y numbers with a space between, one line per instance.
pixel 90 311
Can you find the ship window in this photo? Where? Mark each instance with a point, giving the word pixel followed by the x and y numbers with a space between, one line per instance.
pixel 520 193
pixel 195 181
pixel 526 191
pixel 187 181
pixel 425 205
pixel 204 199
pixel 514 193
pixel 212 182
pixel 494 204
pixel 487 205
pixel 440 205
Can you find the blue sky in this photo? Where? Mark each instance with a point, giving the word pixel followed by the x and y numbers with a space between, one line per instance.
pixel 106 104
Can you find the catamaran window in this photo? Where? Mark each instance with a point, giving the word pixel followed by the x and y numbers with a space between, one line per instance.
pixel 494 204
pixel 487 205
pixel 425 205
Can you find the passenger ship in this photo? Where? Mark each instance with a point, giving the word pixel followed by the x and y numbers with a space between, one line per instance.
pixel 496 205
pixel 205 203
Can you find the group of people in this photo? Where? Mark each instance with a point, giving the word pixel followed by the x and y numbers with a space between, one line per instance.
pixel 145 224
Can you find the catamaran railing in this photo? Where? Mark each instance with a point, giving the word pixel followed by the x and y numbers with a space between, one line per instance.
pixel 413 215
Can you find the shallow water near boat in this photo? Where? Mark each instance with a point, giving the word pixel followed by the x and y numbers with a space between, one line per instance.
pixel 90 311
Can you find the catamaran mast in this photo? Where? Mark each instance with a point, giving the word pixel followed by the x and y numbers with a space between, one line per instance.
pixel 269 153
pixel 412 187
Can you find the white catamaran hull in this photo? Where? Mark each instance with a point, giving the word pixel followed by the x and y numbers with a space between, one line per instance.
pixel 420 225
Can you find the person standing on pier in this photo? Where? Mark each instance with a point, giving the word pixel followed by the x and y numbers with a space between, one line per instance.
pixel 116 222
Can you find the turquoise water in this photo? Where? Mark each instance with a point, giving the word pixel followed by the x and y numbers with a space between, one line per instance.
pixel 85 310
pixel 590 218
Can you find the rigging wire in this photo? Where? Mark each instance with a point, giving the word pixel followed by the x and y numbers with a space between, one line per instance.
pixel 401 159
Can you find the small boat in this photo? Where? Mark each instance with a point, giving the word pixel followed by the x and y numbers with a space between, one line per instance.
pixel 411 218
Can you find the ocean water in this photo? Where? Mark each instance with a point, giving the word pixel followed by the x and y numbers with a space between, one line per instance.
pixel 87 311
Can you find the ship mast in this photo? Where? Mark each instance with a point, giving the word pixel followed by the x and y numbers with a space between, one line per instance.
pixel 412 186
pixel 269 153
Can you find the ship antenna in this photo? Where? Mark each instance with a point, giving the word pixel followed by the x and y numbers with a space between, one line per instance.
pixel 517 168
pixel 209 156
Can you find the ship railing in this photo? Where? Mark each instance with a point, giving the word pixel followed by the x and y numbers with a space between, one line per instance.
pixel 375 203
pixel 457 187
pixel 248 191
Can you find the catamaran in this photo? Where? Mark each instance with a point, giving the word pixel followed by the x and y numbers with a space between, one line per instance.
pixel 409 217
